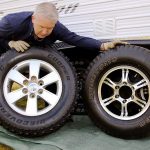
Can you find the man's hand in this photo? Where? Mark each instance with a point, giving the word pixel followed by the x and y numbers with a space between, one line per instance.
pixel 19 45
pixel 109 45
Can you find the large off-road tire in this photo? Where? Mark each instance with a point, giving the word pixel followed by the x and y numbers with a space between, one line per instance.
pixel 117 91
pixel 37 92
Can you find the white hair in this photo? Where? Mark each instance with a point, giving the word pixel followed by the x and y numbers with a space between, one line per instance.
pixel 47 10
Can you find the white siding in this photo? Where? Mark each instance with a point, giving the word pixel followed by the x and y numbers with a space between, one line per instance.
pixel 101 19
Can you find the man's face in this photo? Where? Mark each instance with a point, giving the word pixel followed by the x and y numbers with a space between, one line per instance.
pixel 42 26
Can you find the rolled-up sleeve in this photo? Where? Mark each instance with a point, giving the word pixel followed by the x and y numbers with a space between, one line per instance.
pixel 64 34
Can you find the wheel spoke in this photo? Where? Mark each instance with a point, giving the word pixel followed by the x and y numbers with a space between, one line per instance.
pixel 16 76
pixel 125 73
pixel 15 95
pixel 139 102
pixel 50 78
pixel 34 68
pixel 110 83
pixel 124 110
pixel 108 100
pixel 49 97
pixel 140 84
pixel 31 107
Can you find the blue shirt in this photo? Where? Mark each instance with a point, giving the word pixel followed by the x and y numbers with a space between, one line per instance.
pixel 18 26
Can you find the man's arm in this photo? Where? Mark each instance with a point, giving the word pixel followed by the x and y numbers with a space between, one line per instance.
pixel 5 33
pixel 63 34
pixel 6 36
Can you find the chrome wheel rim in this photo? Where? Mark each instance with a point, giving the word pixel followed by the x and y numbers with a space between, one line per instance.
pixel 38 81
pixel 127 95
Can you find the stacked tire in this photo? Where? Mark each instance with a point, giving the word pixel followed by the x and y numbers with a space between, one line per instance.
pixel 117 91
pixel 37 92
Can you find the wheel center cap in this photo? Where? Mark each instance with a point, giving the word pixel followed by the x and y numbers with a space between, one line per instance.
pixel 33 87
pixel 125 92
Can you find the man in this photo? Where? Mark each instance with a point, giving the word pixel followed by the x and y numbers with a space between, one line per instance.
pixel 41 27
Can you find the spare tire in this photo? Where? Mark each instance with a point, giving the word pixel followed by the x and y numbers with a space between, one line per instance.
pixel 37 92
pixel 117 91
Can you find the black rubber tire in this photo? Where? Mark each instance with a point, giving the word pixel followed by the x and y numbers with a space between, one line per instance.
pixel 127 55
pixel 29 126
